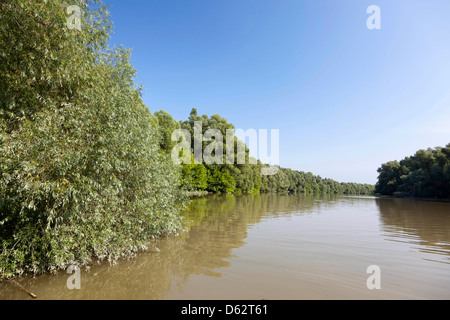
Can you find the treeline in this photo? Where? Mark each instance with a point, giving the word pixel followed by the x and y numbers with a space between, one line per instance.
pixel 288 180
pixel 425 174
pixel 242 178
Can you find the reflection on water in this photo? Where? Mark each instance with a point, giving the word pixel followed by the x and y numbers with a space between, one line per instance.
pixel 279 247
pixel 424 224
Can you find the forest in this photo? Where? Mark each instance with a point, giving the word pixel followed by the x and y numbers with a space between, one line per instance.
pixel 426 174
pixel 85 170
pixel 243 178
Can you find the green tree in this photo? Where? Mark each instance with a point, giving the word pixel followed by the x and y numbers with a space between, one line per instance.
pixel 194 176
pixel 166 125
pixel 425 174
pixel 388 178
pixel 82 177
pixel 220 180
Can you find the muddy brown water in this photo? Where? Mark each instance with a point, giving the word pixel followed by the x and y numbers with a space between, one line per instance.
pixel 279 247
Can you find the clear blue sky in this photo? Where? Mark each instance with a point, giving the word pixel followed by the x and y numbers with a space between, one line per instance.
pixel 345 98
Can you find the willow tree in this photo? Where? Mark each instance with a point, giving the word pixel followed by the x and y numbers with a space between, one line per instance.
pixel 81 174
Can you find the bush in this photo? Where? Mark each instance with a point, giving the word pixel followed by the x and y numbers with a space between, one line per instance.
pixel 82 177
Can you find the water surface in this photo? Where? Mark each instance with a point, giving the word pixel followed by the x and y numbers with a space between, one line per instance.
pixel 279 247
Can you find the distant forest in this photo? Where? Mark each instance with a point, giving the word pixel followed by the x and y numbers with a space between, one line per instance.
pixel 243 178
pixel 425 174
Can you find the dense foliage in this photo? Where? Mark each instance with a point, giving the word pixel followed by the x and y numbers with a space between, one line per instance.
pixel 425 174
pixel 244 178
pixel 82 177
pixel 287 180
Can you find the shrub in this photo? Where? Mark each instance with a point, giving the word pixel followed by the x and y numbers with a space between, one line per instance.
pixel 82 177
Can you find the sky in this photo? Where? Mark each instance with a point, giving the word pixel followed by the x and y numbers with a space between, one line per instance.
pixel 344 98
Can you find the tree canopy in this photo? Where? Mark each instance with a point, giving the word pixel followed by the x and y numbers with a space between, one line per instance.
pixel 425 174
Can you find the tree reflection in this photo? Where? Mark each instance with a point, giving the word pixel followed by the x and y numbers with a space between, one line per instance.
pixel 422 222
pixel 217 225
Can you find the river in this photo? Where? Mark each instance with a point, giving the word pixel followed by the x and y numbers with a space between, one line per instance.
pixel 279 247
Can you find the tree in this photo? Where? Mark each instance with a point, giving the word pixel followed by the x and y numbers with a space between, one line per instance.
pixel 166 125
pixel 389 178
pixel 220 180
pixel 82 177
pixel 194 177
pixel 425 174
